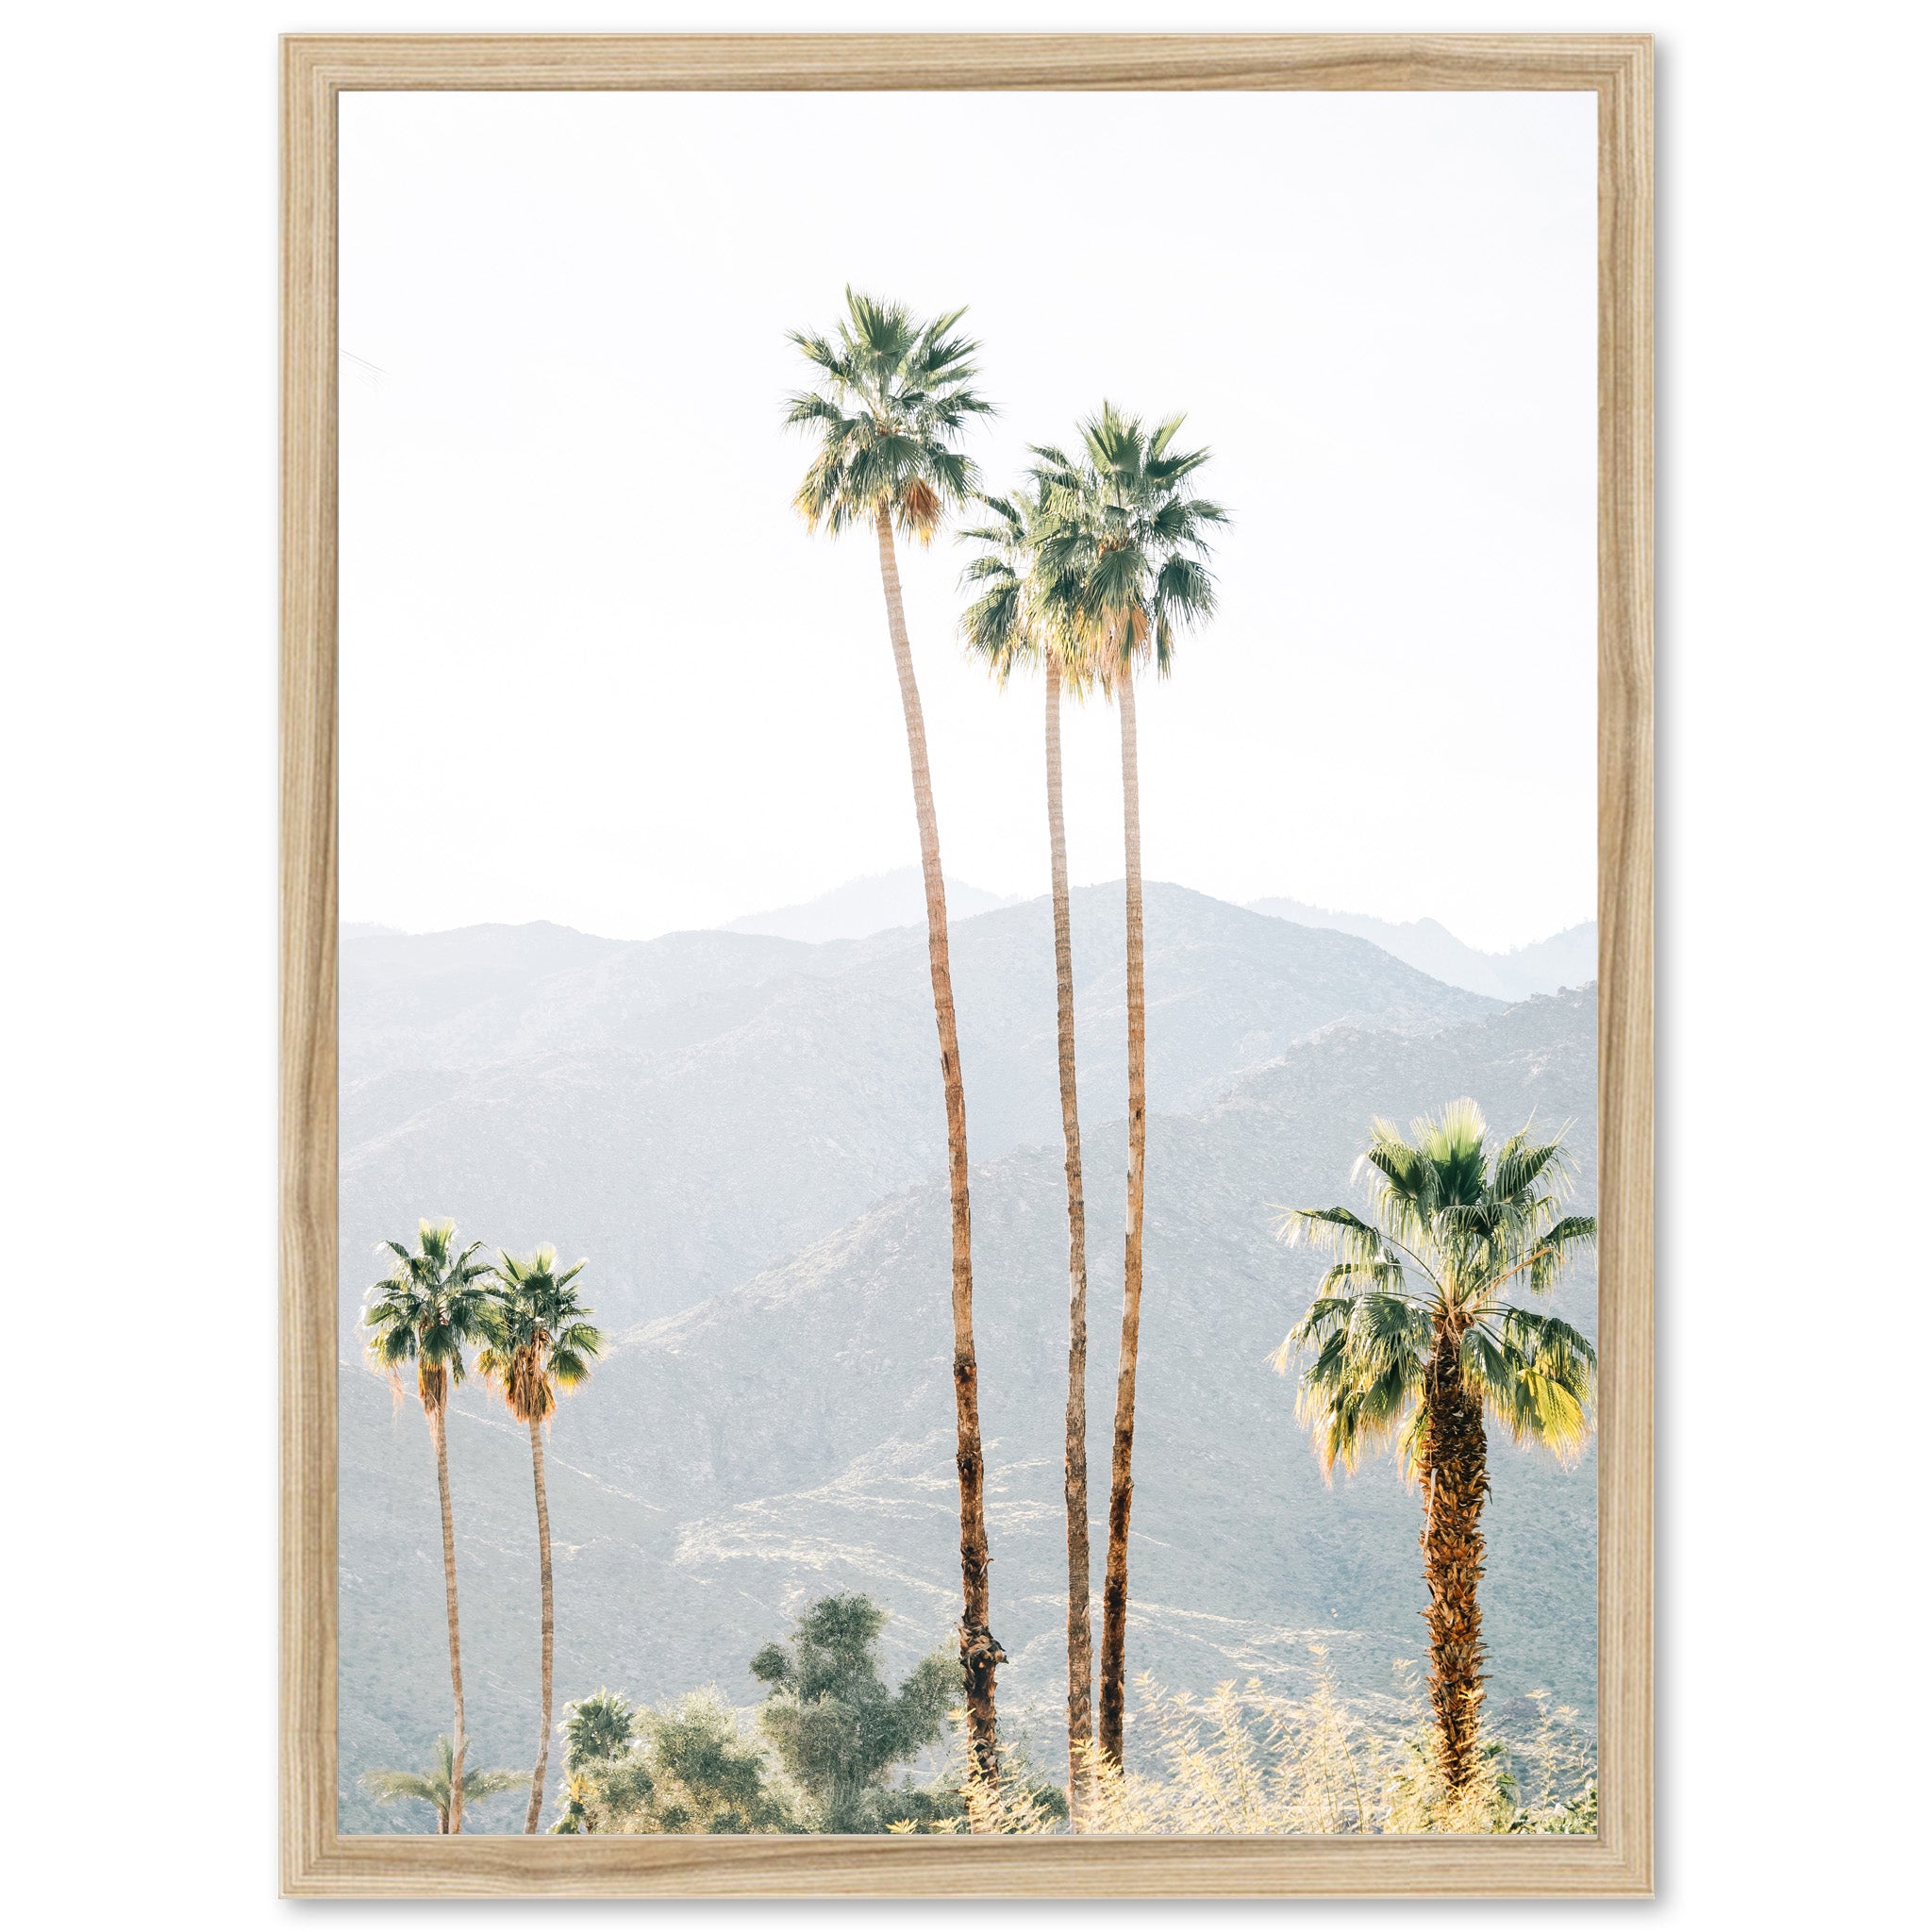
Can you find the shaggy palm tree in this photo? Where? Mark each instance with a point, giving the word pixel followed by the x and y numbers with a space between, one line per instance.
pixel 1409 1342
pixel 1122 554
pixel 425 1310
pixel 439 1785
pixel 597 1728
pixel 597 1731
pixel 541 1341
pixel 891 399
pixel 1014 622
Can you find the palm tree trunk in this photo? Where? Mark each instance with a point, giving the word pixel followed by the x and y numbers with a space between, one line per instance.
pixel 543 1771
pixel 1119 1502
pixel 979 1652
pixel 1079 1558
pixel 1454 1465
pixel 439 1431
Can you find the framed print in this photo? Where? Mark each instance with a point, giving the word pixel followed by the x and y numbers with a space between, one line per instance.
pixel 966 959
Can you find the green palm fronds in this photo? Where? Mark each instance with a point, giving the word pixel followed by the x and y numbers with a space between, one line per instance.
pixel 1454 1226
pixel 597 1727
pixel 891 397
pixel 432 1786
pixel 537 1337
pixel 1122 539
pixel 427 1309
pixel 1021 616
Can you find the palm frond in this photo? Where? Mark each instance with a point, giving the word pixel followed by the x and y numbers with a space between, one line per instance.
pixel 1536 1375
pixel 1122 539
pixel 1367 1356
pixel 540 1337
pixel 1468 1223
pixel 1339 1230
pixel 893 399
pixel 478 1785
pixel 1556 1247
pixel 388 1787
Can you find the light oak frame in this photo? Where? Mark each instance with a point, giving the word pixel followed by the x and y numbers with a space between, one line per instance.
pixel 318 1860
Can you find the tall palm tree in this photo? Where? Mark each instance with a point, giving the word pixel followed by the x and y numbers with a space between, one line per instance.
pixel 439 1787
pixel 1409 1341
pixel 541 1341
pixel 1124 552
pixel 1011 623
pixel 891 399
pixel 425 1310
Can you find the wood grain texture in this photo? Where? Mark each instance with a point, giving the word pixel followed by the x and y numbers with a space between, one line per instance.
pixel 1071 61
pixel 306 1100
pixel 316 1860
pixel 1625 1178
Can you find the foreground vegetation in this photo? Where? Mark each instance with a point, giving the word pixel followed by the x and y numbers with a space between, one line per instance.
pixel 829 1750
pixel 827 1741
pixel 1248 1761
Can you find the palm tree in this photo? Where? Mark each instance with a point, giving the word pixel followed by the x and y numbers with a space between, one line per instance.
pixel 597 1728
pixel 423 1311
pixel 891 397
pixel 541 1341
pixel 440 1786
pixel 1124 552
pixel 1014 622
pixel 598 1732
pixel 1411 1342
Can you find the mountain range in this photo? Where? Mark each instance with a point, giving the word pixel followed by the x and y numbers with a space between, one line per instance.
pixel 863 907
pixel 860 908
pixel 1566 958
pixel 744 1135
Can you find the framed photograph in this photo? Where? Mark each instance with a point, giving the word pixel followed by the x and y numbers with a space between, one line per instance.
pixel 967 1014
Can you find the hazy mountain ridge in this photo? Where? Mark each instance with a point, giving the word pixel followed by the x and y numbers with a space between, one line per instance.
pixel 860 908
pixel 791 1433
pixel 691 1108
pixel 1566 958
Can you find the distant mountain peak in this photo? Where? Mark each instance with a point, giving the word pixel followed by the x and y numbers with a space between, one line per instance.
pixel 861 908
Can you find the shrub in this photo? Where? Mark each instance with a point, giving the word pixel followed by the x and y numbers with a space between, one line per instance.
pixel 836 1728
pixel 686 1767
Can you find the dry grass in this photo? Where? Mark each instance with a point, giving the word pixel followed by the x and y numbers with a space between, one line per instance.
pixel 1249 1762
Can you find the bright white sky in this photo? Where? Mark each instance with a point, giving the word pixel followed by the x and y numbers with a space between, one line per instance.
pixel 595 671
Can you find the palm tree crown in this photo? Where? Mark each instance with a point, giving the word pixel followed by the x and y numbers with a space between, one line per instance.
pixel 538 1340
pixel 1019 616
pixel 891 399
pixel 1454 1227
pixel 1124 548
pixel 429 1305
pixel 433 1786
pixel 597 1728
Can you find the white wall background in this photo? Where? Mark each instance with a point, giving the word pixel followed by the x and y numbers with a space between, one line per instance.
pixel 136 566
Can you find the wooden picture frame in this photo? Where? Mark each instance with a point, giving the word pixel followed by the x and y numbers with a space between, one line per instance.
pixel 316 1858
